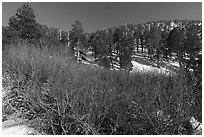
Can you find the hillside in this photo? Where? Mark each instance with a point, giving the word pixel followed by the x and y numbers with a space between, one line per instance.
pixel 84 77
pixel 130 79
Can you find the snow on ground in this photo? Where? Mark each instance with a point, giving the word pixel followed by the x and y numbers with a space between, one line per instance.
pixel 176 64
pixel 12 127
pixel 137 67
pixel 197 126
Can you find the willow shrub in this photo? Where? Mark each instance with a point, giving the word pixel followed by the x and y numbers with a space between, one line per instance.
pixel 59 96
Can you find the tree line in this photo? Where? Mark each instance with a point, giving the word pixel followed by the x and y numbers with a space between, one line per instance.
pixel 181 39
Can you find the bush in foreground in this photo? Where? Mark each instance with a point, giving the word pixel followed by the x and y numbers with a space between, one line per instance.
pixel 58 96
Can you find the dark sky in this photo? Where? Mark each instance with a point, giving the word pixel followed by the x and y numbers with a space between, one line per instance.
pixel 95 15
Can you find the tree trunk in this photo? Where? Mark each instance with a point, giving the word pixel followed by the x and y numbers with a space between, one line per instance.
pixel 142 45
pixel 180 60
pixel 158 58
pixel 137 47
pixel 150 52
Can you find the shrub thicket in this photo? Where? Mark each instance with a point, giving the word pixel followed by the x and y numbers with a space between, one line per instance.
pixel 58 96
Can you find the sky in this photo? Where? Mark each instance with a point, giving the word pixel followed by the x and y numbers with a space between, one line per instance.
pixel 99 15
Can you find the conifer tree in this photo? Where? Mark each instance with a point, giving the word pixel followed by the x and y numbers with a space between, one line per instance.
pixel 24 23
pixel 76 35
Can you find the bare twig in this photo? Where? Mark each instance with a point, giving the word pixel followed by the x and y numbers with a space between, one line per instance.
pixel 147 116
pixel 53 130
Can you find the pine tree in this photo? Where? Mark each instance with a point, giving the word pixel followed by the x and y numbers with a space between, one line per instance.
pixel 138 36
pixel 76 35
pixel 176 44
pixel 124 47
pixel 156 41
pixel 24 23
pixel 193 46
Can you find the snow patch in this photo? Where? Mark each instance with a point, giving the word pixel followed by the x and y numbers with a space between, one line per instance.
pixel 11 127
pixel 176 64
pixel 197 126
pixel 137 67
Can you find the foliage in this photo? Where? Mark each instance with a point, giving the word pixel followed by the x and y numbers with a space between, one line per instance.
pixel 9 35
pixel 77 37
pixel 176 42
pixel 24 23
